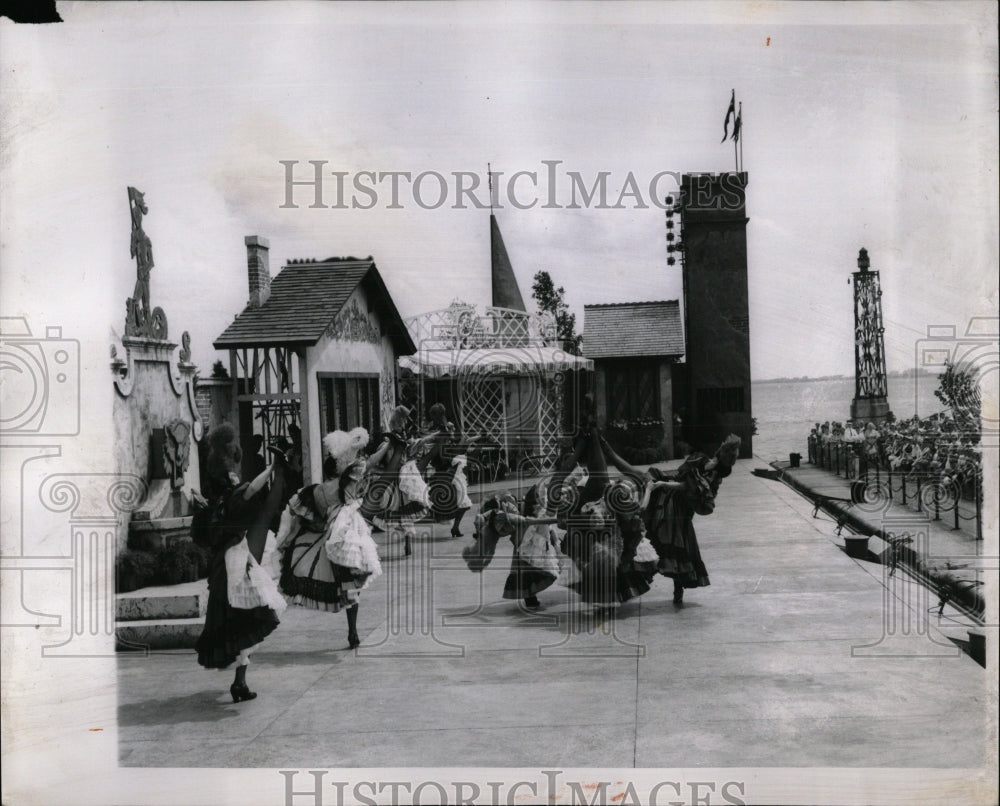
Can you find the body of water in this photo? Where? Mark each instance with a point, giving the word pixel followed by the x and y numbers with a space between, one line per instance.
pixel 786 411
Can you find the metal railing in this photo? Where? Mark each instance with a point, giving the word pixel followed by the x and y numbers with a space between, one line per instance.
pixel 942 496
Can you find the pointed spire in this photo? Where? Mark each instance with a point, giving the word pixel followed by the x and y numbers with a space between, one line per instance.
pixel 506 294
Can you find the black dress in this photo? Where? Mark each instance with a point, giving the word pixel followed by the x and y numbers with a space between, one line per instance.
pixel 229 630
pixel 671 531
pixel 448 488
pixel 383 498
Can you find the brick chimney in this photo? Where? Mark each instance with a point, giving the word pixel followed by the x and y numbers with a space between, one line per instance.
pixel 258 271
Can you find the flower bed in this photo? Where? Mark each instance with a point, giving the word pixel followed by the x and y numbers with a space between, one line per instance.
pixel 638 442
pixel 179 562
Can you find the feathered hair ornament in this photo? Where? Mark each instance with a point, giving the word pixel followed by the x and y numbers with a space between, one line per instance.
pixel 344 446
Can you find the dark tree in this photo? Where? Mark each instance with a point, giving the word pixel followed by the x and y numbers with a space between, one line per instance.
pixel 958 389
pixel 549 298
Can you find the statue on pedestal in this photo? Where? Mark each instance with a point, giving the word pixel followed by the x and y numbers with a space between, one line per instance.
pixel 139 319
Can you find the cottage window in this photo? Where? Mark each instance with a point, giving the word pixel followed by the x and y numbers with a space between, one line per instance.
pixel 633 390
pixel 721 399
pixel 347 401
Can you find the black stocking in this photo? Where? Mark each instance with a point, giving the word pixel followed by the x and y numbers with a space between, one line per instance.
pixel 352 626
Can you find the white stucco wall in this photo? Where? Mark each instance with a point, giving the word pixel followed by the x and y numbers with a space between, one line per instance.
pixel 338 355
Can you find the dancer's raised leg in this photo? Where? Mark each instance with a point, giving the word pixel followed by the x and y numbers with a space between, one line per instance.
pixel 257 531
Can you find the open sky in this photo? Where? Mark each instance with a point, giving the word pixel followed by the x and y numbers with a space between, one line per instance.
pixel 868 125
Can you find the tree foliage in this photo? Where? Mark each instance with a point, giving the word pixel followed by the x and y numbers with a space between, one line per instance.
pixel 551 299
pixel 958 389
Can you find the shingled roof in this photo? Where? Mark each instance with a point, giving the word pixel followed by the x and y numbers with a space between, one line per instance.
pixel 632 329
pixel 305 297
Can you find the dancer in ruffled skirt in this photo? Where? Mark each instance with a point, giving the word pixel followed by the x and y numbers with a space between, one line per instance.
pixel 329 555
pixel 613 560
pixel 395 492
pixel 671 502
pixel 448 488
pixel 244 604
pixel 534 565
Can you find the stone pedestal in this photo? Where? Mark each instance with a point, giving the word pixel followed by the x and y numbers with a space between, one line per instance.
pixel 869 409
pixel 155 388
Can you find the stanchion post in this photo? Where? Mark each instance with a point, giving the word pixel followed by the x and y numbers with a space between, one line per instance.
pixel 979 504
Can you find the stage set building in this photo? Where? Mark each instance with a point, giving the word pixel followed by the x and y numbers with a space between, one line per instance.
pixel 322 346
pixel 314 350
pixel 690 373
pixel 501 374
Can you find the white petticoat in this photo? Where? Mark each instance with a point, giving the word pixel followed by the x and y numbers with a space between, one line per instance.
pixel 538 550
pixel 349 543
pixel 412 485
pixel 461 483
pixel 645 553
pixel 251 584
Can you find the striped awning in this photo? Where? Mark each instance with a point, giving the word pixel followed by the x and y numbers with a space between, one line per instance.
pixel 527 360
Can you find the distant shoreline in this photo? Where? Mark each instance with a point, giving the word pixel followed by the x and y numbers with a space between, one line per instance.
pixel 904 374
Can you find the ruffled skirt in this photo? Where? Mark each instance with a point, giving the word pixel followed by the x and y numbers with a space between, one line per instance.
pixel 351 550
pixel 534 565
pixel 448 491
pixel 328 570
pixel 395 497
pixel 675 543
pixel 613 561
pixel 309 579
pixel 229 629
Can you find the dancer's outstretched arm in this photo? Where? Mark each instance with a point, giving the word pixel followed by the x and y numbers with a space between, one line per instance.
pixel 258 483
pixel 659 485
pixel 521 520
pixel 376 458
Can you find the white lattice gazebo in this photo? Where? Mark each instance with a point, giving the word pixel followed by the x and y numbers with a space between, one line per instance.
pixel 500 374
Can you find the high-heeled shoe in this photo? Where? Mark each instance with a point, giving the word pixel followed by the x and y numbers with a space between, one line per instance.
pixel 241 692
pixel 353 641
pixel 456 532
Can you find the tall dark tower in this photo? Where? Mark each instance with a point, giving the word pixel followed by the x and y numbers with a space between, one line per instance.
pixel 716 309
pixel 870 386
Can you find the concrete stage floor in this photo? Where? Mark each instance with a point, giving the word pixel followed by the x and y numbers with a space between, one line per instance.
pixel 795 656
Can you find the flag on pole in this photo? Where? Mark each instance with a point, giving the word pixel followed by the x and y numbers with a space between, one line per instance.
pixel 729 113
pixel 738 123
